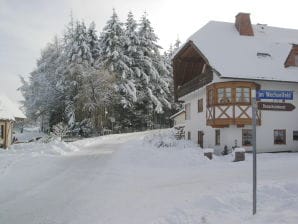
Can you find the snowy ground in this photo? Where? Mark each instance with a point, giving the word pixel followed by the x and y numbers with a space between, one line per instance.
pixel 141 178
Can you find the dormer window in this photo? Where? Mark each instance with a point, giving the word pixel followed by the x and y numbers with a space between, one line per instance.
pixel 263 55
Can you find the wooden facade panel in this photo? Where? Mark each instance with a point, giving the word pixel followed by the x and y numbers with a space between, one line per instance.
pixel 6 132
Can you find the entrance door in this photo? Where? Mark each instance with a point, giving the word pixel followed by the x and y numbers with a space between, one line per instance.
pixel 200 139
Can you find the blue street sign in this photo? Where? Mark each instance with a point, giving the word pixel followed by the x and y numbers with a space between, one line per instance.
pixel 275 94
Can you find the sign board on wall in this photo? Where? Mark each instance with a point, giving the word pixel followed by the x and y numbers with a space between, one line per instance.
pixel 275 94
pixel 275 106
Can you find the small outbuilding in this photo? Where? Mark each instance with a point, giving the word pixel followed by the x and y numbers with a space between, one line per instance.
pixel 9 113
pixel 179 124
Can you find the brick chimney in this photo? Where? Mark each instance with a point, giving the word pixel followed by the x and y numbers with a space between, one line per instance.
pixel 243 24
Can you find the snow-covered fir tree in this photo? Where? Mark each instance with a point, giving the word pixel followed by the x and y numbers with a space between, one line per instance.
pixel 93 42
pixel 153 83
pixel 114 59
pixel 79 61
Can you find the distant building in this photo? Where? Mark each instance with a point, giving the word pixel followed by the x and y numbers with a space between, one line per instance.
pixel 9 113
pixel 179 124
pixel 217 70
pixel 179 118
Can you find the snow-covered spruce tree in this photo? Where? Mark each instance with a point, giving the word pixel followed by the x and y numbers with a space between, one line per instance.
pixel 131 46
pixel 115 58
pixel 154 96
pixel 125 116
pixel 93 42
pixel 79 61
pixel 89 89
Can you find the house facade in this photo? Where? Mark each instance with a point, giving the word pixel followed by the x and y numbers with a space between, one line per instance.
pixel 219 68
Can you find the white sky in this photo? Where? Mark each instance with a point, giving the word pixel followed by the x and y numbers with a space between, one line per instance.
pixel 27 26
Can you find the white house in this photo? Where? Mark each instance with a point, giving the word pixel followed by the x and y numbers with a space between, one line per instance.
pixel 9 113
pixel 215 73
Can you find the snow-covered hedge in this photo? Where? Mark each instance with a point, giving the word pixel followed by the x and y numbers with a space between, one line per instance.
pixel 166 139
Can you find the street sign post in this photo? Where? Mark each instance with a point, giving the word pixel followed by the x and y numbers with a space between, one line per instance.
pixel 265 94
pixel 254 141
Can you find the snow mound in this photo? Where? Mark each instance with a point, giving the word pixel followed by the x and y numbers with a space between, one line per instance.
pixel 158 149
pixel 53 147
pixel 166 139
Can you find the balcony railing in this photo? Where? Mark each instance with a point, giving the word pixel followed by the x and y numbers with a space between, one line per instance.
pixel 194 84
pixel 231 114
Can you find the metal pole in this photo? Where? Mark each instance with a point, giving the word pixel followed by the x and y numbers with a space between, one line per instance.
pixel 254 110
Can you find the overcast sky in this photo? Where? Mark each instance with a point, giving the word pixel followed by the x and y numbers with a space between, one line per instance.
pixel 26 26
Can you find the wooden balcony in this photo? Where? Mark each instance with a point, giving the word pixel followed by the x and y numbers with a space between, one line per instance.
pixel 194 84
pixel 229 103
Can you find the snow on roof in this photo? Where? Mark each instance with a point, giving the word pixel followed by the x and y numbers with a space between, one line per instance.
pixel 9 110
pixel 176 114
pixel 261 56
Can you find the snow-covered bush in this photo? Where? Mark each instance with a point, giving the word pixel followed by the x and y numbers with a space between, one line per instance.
pixel 60 130
pixel 166 139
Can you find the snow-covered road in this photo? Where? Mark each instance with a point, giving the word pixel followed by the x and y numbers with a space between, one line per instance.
pixel 53 189
pixel 126 179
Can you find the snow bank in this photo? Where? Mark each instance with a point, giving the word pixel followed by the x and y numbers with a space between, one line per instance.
pixel 54 147
pixel 208 150
pixel 239 150
pixel 27 136
pixel 159 150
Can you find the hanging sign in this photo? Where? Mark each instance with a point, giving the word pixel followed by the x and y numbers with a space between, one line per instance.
pixel 275 94
pixel 275 106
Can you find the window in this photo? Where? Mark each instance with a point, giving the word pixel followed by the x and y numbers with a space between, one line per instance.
pixel 295 135
pixel 224 95
pixel 187 111
pixel 188 135
pixel 217 137
pixel 200 105
pixel 280 137
pixel 1 131
pixel 243 94
pixel 210 97
pixel 263 55
pixel 246 137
